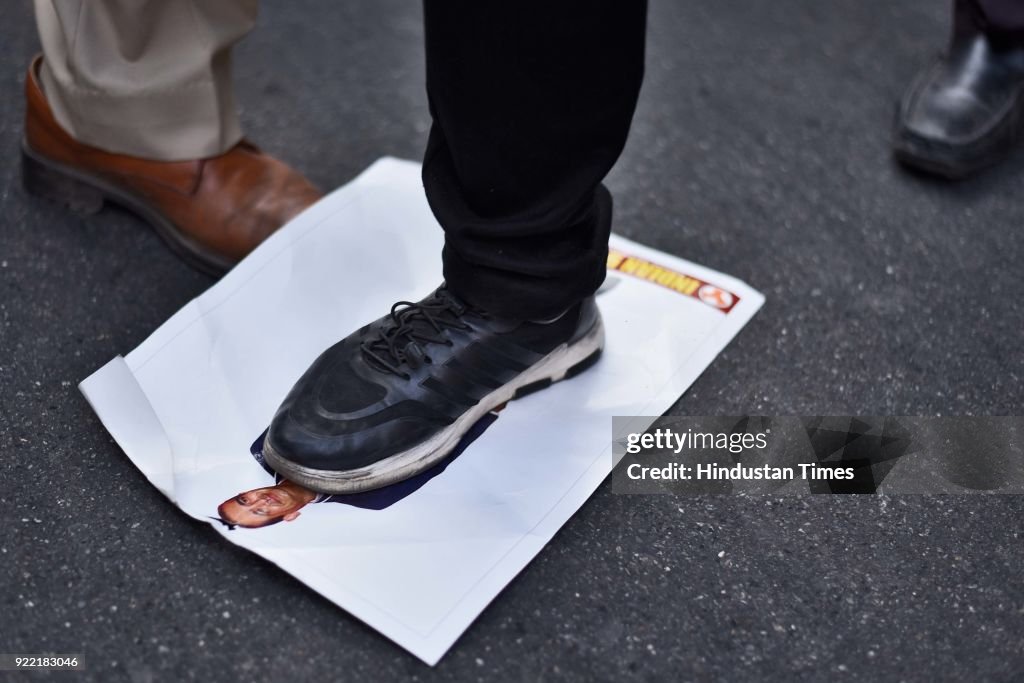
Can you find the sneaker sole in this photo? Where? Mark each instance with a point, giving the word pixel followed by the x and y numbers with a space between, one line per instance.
pixel 563 363
pixel 85 194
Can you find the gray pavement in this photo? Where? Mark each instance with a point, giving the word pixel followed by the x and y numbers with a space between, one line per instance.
pixel 760 148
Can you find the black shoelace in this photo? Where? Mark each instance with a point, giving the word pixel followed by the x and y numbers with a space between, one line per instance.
pixel 420 323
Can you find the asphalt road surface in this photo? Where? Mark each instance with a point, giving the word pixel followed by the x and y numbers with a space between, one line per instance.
pixel 759 148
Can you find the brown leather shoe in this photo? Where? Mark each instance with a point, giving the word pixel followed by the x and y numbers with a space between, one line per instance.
pixel 211 212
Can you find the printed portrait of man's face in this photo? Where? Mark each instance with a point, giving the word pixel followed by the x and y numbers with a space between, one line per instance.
pixel 282 502
pixel 265 506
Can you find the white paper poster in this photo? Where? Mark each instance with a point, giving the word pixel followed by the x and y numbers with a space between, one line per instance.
pixel 416 561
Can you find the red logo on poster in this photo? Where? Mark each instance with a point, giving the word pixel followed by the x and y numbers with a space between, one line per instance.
pixel 713 296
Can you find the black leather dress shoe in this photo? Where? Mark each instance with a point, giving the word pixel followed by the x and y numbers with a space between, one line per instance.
pixel 396 396
pixel 964 113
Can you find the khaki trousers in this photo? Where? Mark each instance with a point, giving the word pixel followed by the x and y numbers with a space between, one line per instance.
pixel 147 78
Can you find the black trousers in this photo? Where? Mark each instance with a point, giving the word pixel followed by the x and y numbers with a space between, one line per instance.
pixel 1001 18
pixel 531 103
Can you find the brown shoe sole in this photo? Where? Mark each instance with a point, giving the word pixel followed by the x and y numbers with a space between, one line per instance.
pixel 85 194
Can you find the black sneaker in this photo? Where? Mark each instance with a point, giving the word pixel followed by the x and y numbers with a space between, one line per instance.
pixel 396 396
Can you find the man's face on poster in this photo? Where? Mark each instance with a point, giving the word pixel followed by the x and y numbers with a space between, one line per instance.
pixel 263 506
